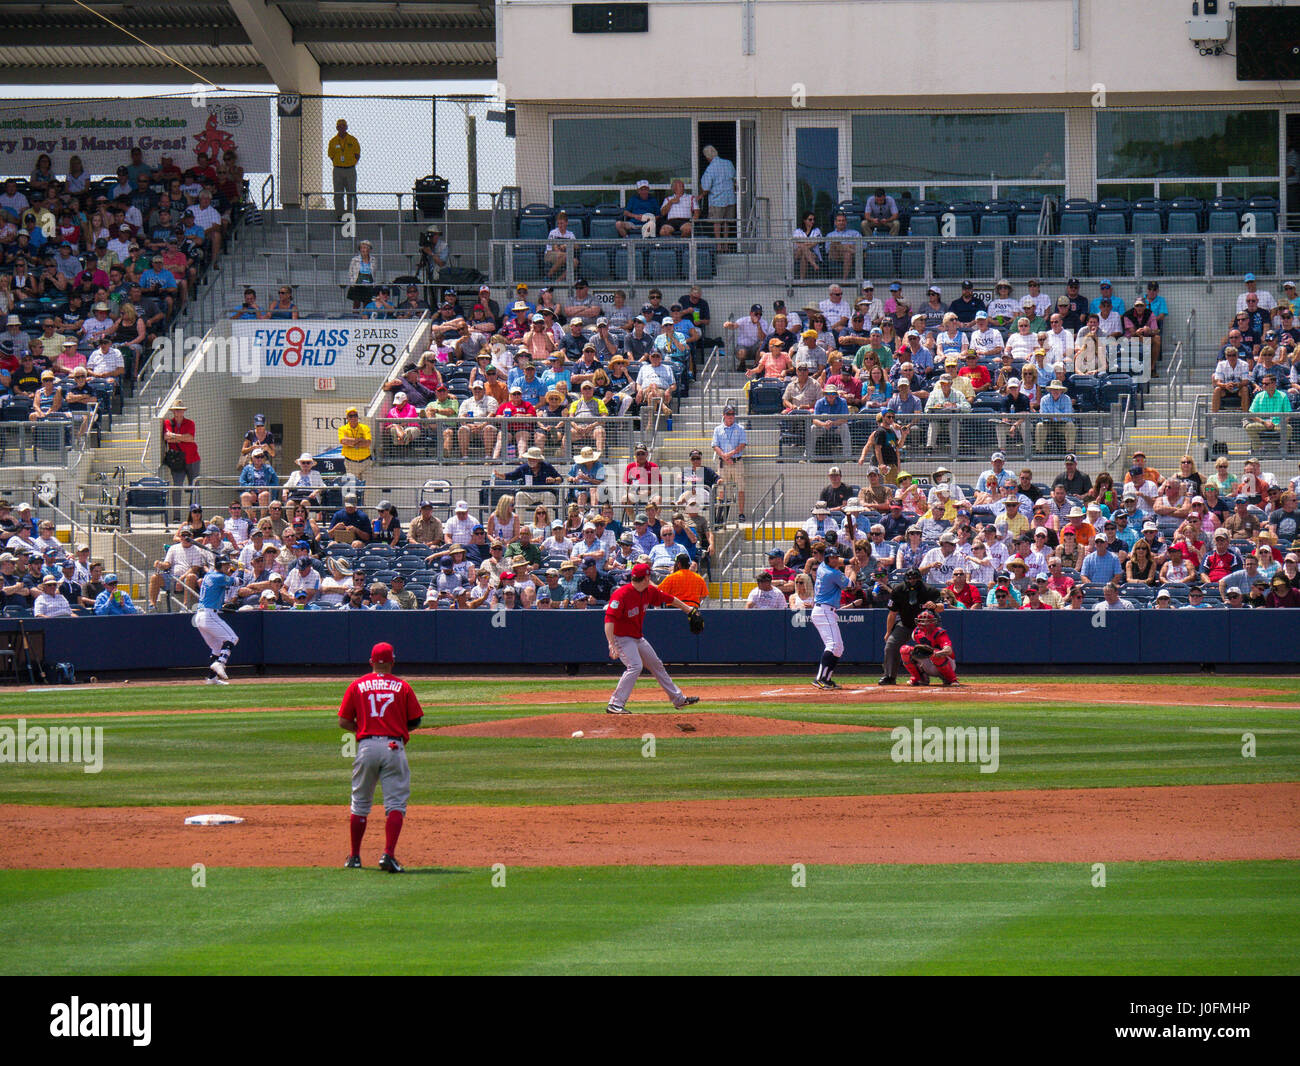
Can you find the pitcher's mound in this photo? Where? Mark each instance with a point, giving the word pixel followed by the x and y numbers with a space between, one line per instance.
pixel 599 726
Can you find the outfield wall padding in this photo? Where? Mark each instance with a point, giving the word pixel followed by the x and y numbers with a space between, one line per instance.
pixel 344 638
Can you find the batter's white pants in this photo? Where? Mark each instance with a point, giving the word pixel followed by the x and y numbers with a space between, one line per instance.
pixel 213 629
pixel 636 655
pixel 827 623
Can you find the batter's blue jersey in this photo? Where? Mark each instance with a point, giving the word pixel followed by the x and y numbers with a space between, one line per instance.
pixel 830 583
pixel 212 590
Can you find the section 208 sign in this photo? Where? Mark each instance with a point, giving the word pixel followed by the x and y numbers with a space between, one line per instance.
pixel 312 348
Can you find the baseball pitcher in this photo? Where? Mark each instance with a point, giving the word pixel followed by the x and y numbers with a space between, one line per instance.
pixel 623 622
pixel 381 710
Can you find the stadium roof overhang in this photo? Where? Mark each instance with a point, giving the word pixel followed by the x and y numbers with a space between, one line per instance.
pixel 287 43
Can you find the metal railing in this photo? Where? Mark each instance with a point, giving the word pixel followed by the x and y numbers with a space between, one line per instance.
pixel 498 440
pixel 49 442
pixel 1237 433
pixel 749 552
pixel 1189 337
pixel 935 437
pixel 1174 384
pixel 632 260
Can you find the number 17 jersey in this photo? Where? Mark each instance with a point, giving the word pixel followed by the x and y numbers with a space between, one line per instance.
pixel 382 706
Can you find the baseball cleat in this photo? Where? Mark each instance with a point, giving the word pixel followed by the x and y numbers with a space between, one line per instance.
pixel 919 684
pixel 353 863
pixel 611 709
pixel 388 863
pixel 887 681
pixel 688 701
pixel 817 682
pixel 219 669
pixel 214 680
pixel 949 684
pixel 829 683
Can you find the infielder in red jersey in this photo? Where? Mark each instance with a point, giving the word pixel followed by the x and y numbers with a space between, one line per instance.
pixel 623 620
pixel 381 710
pixel 930 652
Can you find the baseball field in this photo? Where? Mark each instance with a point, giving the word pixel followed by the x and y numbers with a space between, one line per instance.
pixel 1140 825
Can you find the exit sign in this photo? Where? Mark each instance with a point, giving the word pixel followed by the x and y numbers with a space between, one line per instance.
pixel 326 384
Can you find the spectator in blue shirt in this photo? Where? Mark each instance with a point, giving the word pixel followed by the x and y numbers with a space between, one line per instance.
pixel 830 415
pixel 1101 565
pixel 638 205
pixel 351 526
pixel 160 282
pixel 259 477
pixel 112 600
pixel 556 375
pixel 1057 402
pixel 1116 303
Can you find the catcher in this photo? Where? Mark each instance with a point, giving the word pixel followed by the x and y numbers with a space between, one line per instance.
pixel 623 620
pixel 930 652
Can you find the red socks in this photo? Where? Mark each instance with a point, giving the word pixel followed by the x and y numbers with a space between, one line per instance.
pixel 392 830
pixel 357 825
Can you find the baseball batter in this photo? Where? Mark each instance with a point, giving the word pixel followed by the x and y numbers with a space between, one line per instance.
pixel 827 589
pixel 930 652
pixel 381 710
pixel 623 621
pixel 218 636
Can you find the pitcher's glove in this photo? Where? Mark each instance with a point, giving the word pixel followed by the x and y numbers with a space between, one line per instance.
pixel 695 620
pixel 922 651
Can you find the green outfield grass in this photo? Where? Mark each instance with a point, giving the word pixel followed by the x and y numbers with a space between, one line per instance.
pixel 1151 918
pixel 295 756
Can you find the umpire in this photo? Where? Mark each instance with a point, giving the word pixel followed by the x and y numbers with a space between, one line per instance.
pixel 906 602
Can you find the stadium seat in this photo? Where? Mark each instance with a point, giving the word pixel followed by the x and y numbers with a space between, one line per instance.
pixel 1110 222
pixel 533 229
pixel 1223 222
pixel 1146 222
pixel 604 229
pixel 950 262
pixel 995 225
pixel 1181 221
pixel 911 261
pixel 1075 223
pixel 924 226
pixel 1022 261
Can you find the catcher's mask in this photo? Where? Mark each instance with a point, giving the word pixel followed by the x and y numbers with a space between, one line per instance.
pixel 926 618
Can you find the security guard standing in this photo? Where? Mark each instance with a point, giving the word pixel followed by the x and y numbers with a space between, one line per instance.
pixel 344 151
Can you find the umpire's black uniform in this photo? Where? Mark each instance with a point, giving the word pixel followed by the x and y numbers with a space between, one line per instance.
pixel 906 603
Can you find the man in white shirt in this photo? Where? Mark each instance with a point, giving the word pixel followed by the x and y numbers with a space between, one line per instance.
pixel 105 362
pixel 1109 323
pixel 1059 343
pixel 836 309
pixel 751 334
pixel 303 576
pixel 1042 302
pixel 1231 376
pixel 557 252
pixel 842 244
pixel 984 340
pixel 49 603
pixel 765 597
pixel 208 218
pixel 1265 298
pixel 477 406
pixel 938 564
pixel 176 568
pixel 120 244
pixel 459 528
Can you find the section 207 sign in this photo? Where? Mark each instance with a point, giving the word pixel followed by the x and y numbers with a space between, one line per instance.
pixel 313 348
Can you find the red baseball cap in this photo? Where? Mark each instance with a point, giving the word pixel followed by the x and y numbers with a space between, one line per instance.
pixel 640 570
pixel 381 653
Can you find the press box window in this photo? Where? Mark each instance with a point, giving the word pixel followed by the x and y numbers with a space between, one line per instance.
pixel 611 18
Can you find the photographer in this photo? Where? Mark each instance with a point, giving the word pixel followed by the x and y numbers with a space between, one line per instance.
pixel 434 254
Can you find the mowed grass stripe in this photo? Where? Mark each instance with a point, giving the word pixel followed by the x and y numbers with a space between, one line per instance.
pixel 298 757
pixel 1150 918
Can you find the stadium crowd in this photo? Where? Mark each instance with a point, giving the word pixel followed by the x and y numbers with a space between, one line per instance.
pixel 1008 542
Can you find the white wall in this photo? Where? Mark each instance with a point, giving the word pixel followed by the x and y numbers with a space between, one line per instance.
pixel 1016 52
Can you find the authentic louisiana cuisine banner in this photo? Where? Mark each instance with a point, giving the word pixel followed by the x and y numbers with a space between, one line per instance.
pixel 103 132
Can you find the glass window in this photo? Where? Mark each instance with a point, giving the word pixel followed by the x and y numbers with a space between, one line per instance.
pixel 1156 144
pixel 620 151
pixel 920 148
pixel 1129 190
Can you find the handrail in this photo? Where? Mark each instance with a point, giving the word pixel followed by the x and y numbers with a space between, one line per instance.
pixel 268 199
pixel 1194 424
pixel 1119 427
pixel 764 509
pixel 1189 334
pixel 407 358
pixel 1173 387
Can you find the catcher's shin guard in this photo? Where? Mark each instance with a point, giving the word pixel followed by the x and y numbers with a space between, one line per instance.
pixel 905 653
pixel 945 669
